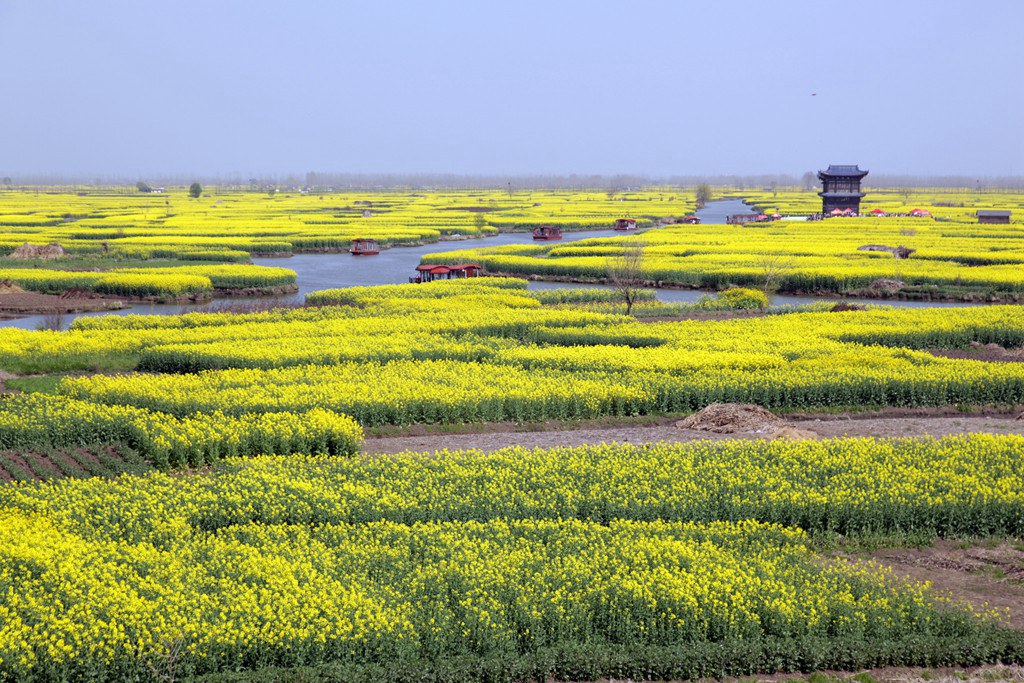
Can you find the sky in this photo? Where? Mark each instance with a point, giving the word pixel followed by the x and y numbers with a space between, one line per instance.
pixel 239 89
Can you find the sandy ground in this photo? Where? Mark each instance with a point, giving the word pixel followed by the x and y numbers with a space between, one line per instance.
pixel 826 427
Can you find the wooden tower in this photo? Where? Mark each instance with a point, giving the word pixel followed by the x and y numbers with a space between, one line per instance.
pixel 840 188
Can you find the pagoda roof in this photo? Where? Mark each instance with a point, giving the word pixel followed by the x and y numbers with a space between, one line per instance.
pixel 843 170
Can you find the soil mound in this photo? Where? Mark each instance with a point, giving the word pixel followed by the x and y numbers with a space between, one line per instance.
pixel 78 293
pixel 843 306
pixel 730 418
pixel 9 287
pixel 789 433
pixel 897 252
pixel 885 285
pixel 44 251
pixel 991 353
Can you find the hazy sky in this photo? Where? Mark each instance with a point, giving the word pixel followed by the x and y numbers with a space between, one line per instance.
pixel 138 88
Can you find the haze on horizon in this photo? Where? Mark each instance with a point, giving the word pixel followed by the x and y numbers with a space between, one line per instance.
pixel 653 88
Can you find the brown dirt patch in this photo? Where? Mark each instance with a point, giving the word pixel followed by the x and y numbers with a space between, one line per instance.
pixel 26 303
pixel 18 461
pixel 887 286
pixel 976 674
pixel 85 455
pixel 79 293
pixel 38 251
pixel 32 462
pixel 8 287
pixel 883 412
pixel 791 433
pixel 70 467
pixel 979 575
pixel 44 463
pixel 842 306
pixel 990 353
pixel 548 435
pixel 473 209
pixel 731 418
pixel 255 291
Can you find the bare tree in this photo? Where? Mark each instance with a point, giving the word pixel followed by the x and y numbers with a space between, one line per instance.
pixel 53 320
pixel 703 195
pixel 625 272
pixel 773 266
pixel 808 180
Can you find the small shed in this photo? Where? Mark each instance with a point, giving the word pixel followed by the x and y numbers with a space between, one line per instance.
pixel 428 272
pixel 993 216
pixel 464 270
pixel 744 218
pixel 364 246
pixel 625 224
pixel 547 232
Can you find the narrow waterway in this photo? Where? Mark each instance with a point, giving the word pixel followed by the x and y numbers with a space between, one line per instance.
pixel 326 271
pixel 396 265
pixel 716 213
pixel 392 266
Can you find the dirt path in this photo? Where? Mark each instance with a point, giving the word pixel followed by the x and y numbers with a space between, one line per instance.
pixel 826 427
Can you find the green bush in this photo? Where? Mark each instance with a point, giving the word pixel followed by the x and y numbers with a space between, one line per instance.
pixel 735 299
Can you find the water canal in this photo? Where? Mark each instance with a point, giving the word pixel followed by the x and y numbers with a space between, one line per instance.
pixel 394 266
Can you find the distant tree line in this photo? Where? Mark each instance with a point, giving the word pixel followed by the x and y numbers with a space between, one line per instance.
pixel 320 181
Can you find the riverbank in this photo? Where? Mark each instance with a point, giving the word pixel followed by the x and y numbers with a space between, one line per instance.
pixel 252 292
pixel 331 268
pixel 922 294
pixel 381 244
pixel 17 304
